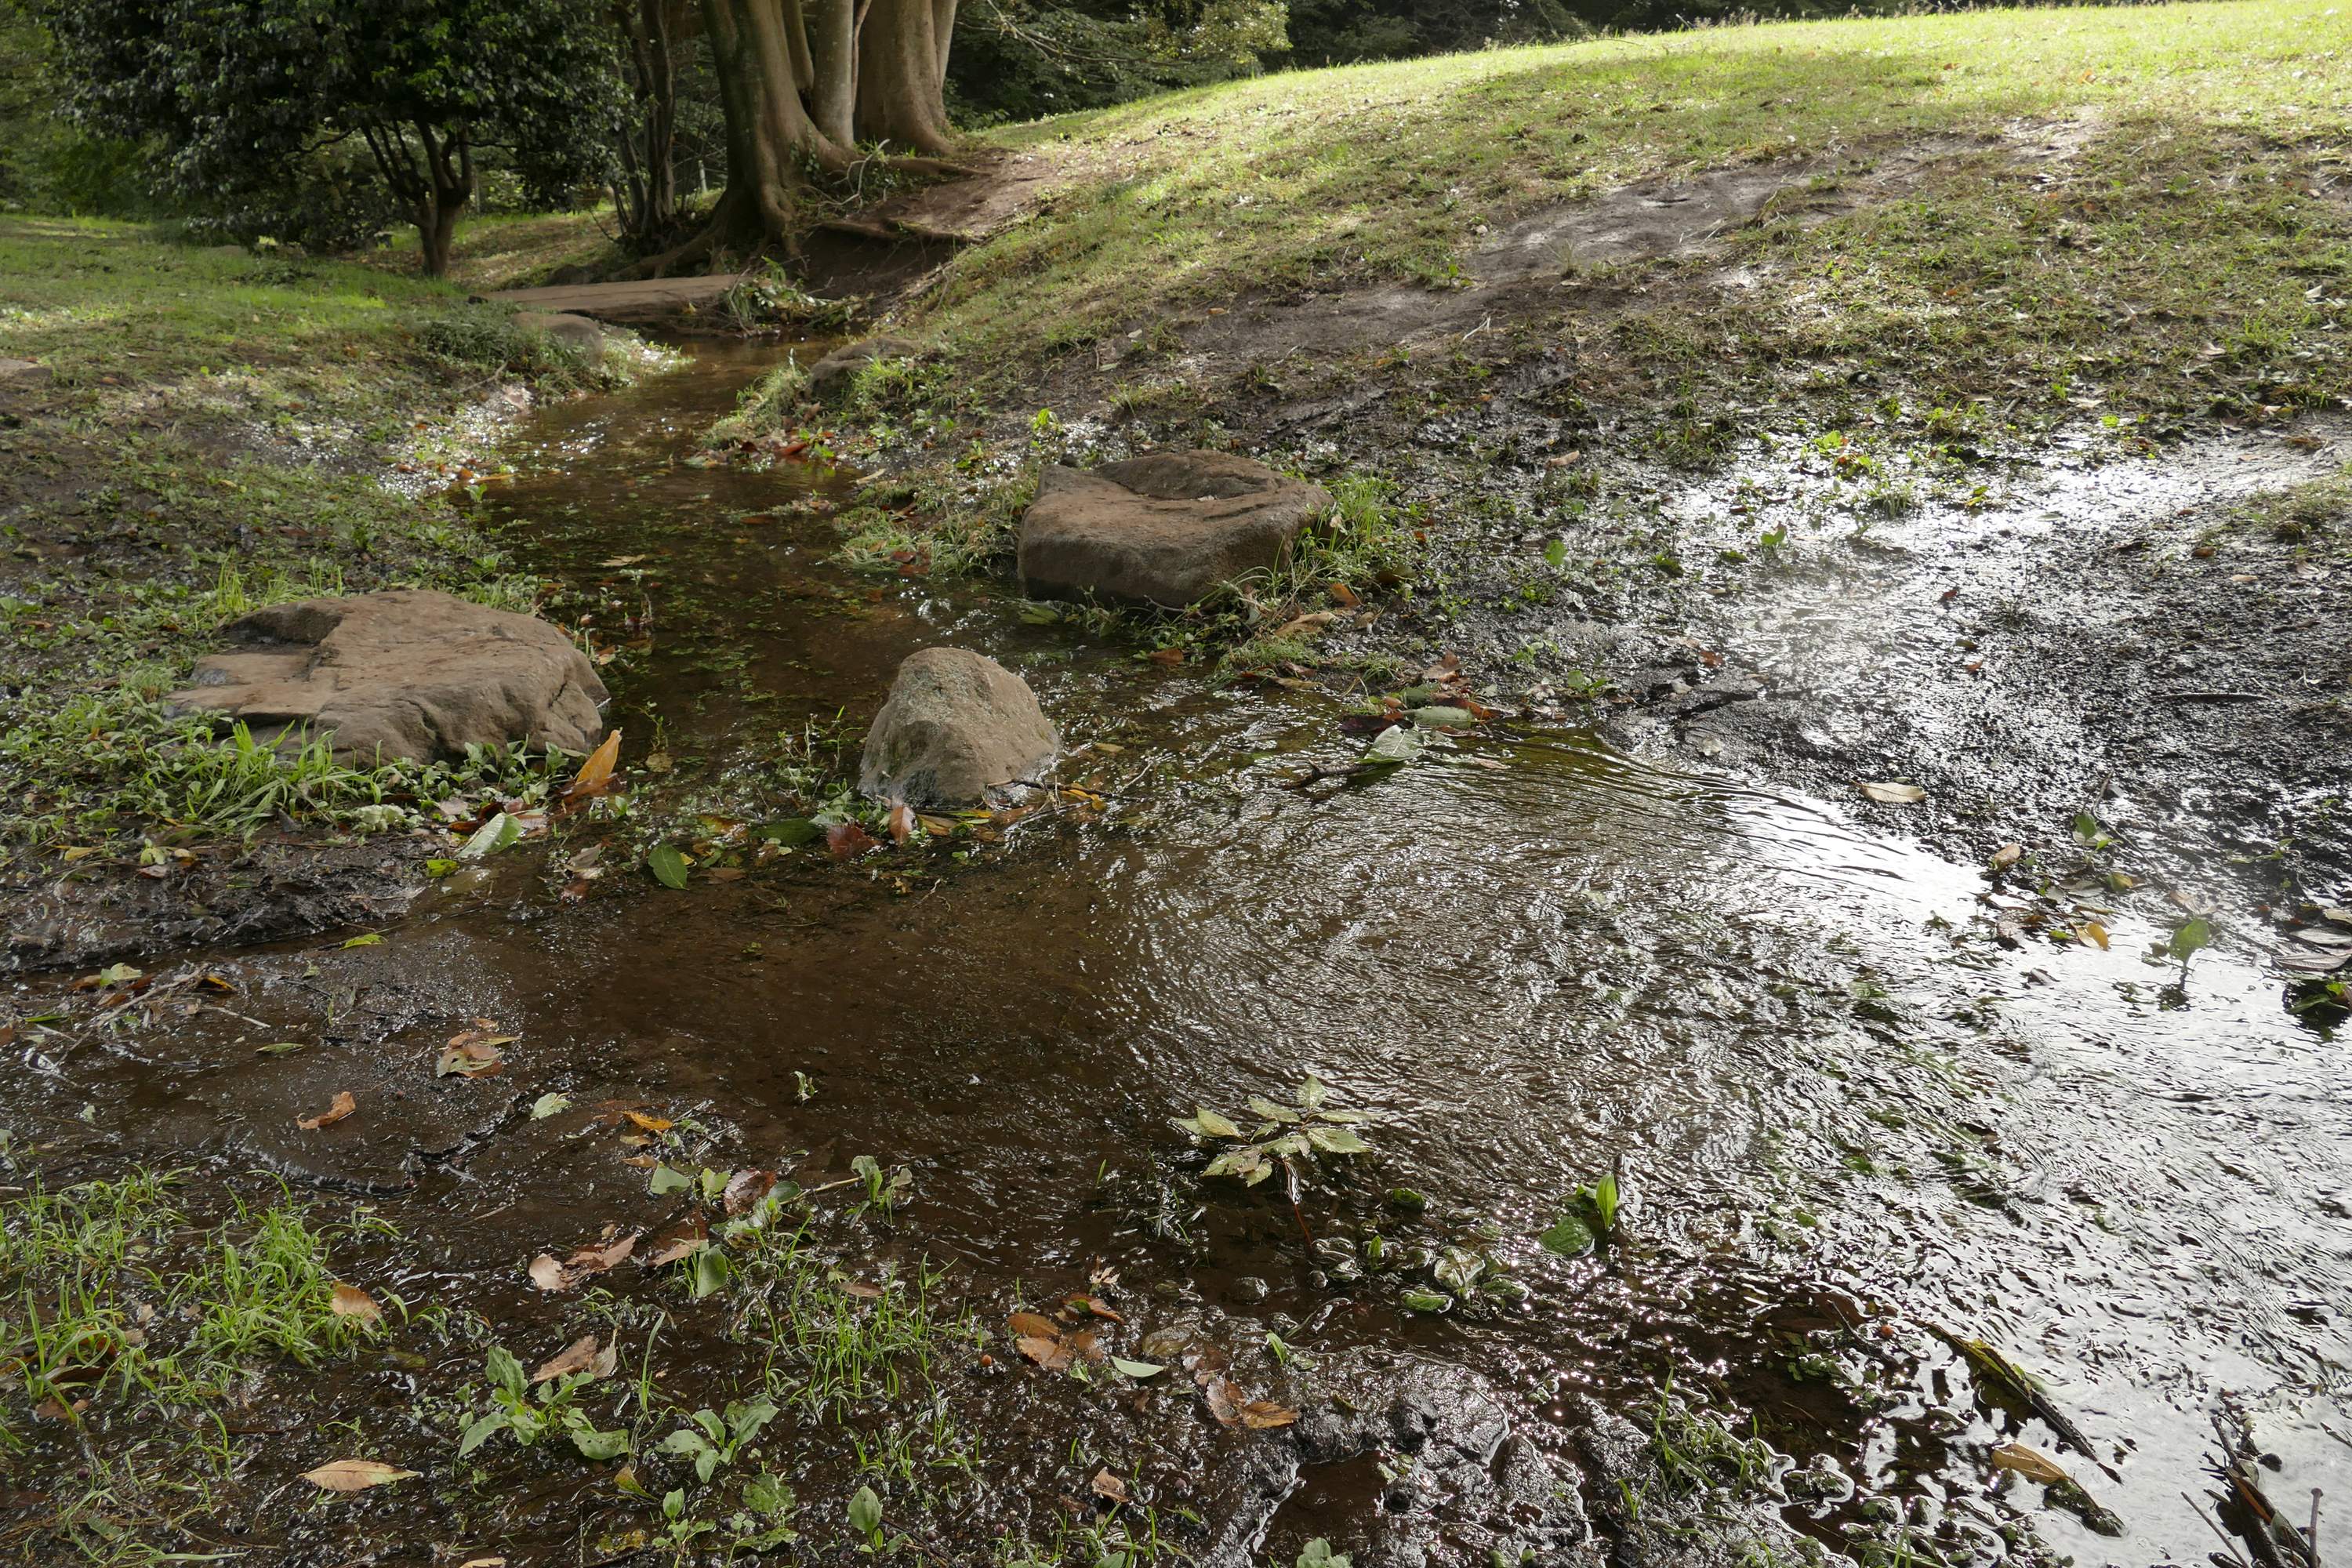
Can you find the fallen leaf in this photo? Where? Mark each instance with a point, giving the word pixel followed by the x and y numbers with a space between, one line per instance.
pixel 552 1103
pixel 901 823
pixel 650 1123
pixel 2008 855
pixel 1138 1370
pixel 668 866
pixel 2094 932
pixel 595 774
pixel 1262 1415
pixel 680 1242
pixel 1224 1400
pixel 355 1475
pixel 579 1355
pixel 745 1189
pixel 351 1301
pixel 475 1052
pixel 1895 793
pixel 1166 656
pixel 2031 1463
pixel 342 1105
pixel 1107 1485
pixel 549 1275
pixel 847 841
pixel 1094 1304
pixel 1343 595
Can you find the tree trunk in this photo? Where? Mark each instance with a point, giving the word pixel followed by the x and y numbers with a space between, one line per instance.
pixel 831 27
pixel 902 67
pixel 448 173
pixel 648 202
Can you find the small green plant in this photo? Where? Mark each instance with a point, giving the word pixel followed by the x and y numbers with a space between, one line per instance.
pixel 1589 1217
pixel 884 1189
pixel 1317 1553
pixel 866 1519
pixel 533 1419
pixel 715 1438
pixel 1286 1137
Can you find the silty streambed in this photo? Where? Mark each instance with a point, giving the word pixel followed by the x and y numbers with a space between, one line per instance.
pixel 1846 1118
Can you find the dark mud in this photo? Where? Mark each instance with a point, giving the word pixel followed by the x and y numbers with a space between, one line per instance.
pixel 1853 1125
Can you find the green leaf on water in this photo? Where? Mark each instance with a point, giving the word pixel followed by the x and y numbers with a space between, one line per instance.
pixel 1570 1237
pixel 1429 1302
pixel 2190 936
pixel 438 868
pixel 370 939
pixel 1555 554
pixel 282 1047
pixel 595 1445
pixel 792 832
pixel 1397 743
pixel 707 1273
pixel 1337 1140
pixel 1207 1123
pixel 497 834
pixel 666 1181
pixel 1138 1370
pixel 1270 1110
pixel 668 866
pixel 550 1104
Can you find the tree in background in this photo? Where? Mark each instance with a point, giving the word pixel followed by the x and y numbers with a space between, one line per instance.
pixel 1018 59
pixel 804 83
pixel 242 97
pixel 1341 32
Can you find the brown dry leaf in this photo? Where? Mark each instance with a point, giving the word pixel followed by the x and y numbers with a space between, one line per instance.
pixel 51 1409
pixel 1050 1355
pixel 901 823
pixel 1167 656
pixel 2008 855
pixel 1307 623
pixel 1223 1399
pixel 351 1301
pixel 342 1105
pixel 595 774
pixel 2094 932
pixel 2031 1463
pixel 1095 1305
pixel 1035 1324
pixel 1448 668
pixel 744 1191
pixel 355 1475
pixel 847 841
pixel 1895 793
pixel 549 1275
pixel 475 1052
pixel 483 1562
pixel 1343 595
pixel 1261 1414
pixel 1107 1485
pixel 681 1240
pixel 577 1356
pixel 650 1123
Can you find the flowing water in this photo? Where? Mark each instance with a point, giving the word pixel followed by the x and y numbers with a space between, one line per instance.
pixel 1846 1118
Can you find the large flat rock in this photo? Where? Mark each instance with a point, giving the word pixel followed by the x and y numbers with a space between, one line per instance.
pixel 404 674
pixel 1166 528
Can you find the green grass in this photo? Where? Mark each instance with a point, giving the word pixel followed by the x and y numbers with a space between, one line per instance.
pixel 111 1293
pixel 2202 125
pixel 215 437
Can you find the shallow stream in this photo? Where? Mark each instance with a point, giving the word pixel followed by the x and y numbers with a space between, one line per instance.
pixel 1849 1122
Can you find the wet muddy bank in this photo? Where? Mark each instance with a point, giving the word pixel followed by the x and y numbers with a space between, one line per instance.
pixel 1851 1123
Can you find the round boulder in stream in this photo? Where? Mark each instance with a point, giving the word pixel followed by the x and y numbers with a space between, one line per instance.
pixel 957 725
pixel 1165 527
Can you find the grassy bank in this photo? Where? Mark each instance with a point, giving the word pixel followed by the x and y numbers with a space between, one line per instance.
pixel 2197 206
pixel 210 431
